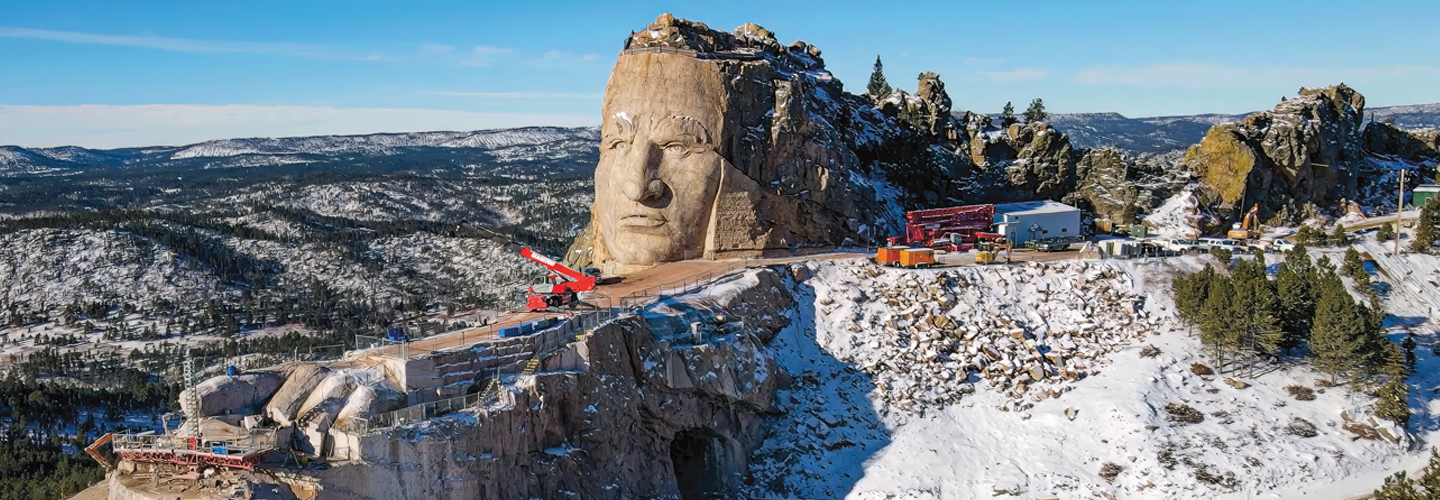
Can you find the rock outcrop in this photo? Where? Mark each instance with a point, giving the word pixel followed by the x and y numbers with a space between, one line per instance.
pixel 1114 184
pixel 1305 150
pixel 240 394
pixel 656 413
pixel 1420 145
pixel 758 152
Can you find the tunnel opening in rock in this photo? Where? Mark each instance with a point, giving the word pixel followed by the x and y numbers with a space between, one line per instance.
pixel 699 458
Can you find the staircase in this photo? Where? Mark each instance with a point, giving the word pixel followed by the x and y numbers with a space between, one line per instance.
pixel 531 367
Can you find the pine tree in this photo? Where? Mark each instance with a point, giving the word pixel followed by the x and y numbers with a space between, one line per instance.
pixel 1338 237
pixel 1394 404
pixel 1386 232
pixel 1398 487
pixel 1352 264
pixel 1295 286
pixel 1332 338
pixel 1257 307
pixel 1217 323
pixel 1036 112
pixel 1007 116
pixel 878 87
pixel 1425 228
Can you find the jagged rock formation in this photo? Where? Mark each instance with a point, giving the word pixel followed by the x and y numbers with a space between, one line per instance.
pixel 1386 139
pixel 1113 183
pixel 769 160
pixel 778 156
pixel 1303 151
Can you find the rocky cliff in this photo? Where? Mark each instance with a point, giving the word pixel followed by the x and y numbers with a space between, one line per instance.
pixel 1304 150
pixel 666 403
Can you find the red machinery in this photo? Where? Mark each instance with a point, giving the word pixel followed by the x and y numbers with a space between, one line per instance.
pixel 564 288
pixel 951 228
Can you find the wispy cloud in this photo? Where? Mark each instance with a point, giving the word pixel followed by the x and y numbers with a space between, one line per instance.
pixel 184 44
pixel 485 55
pixel 106 126
pixel 977 61
pixel 1204 75
pixel 521 95
pixel 1015 75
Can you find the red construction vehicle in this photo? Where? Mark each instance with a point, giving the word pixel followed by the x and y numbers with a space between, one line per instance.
pixel 954 228
pixel 563 288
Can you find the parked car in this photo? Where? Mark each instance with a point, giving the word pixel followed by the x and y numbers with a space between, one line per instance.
pixel 1282 245
pixel 1052 245
pixel 1217 243
pixel 1179 245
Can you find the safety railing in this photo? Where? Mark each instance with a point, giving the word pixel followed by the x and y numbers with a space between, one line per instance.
pixel 568 333
pixel 256 441
pixel 680 287
pixel 600 310
pixel 423 411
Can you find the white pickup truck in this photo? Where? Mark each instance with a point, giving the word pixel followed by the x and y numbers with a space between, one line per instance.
pixel 1180 245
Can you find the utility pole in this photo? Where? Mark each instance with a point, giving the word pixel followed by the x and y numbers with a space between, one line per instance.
pixel 1399 206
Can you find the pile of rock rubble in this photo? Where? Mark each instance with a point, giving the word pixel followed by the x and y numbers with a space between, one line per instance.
pixel 929 337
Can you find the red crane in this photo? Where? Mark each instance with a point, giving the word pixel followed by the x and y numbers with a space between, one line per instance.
pixel 951 228
pixel 564 284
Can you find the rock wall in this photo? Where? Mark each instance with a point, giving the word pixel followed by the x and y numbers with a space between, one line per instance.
pixel 653 415
pixel 1305 150
pixel 724 144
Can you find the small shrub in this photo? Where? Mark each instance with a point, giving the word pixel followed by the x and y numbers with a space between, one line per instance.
pixel 1183 413
pixel 1199 368
pixel 1324 382
pixel 1301 392
pixel 1150 351
pixel 1222 255
pixel 1386 232
pixel 1301 427
pixel 1166 457
pixel 1227 481
pixel 1109 471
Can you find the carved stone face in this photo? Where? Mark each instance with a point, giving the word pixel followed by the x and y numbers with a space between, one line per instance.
pixel 660 166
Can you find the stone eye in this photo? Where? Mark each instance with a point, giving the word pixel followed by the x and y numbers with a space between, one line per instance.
pixel 617 144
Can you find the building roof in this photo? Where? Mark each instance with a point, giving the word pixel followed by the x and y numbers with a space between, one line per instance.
pixel 1033 208
pixel 1424 188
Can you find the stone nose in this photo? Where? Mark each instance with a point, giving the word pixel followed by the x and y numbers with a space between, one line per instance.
pixel 642 183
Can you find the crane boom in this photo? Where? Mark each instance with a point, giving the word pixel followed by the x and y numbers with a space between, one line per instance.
pixel 579 281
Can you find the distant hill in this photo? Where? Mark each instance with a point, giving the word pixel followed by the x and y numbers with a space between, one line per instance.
pixel 1166 133
pixel 483 149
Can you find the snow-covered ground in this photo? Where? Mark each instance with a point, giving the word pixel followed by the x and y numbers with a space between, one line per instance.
pixel 844 435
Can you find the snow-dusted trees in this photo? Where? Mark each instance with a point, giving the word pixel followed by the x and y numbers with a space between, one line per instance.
pixel 1007 116
pixel 1036 112
pixel 1295 290
pixel 1426 228
pixel 878 88
pixel 1425 487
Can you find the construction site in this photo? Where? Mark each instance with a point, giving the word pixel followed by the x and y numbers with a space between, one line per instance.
pixel 289 421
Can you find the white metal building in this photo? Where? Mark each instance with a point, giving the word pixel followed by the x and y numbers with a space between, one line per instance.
pixel 1034 220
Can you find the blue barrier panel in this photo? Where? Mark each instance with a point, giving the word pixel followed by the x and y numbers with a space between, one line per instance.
pixel 510 331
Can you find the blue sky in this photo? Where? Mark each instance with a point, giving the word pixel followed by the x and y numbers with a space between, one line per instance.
pixel 110 74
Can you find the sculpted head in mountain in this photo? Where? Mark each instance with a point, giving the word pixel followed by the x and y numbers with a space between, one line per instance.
pixel 709 149
pixel 660 165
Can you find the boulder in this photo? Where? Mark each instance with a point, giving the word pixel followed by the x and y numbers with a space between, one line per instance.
pixel 299 382
pixel 240 394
